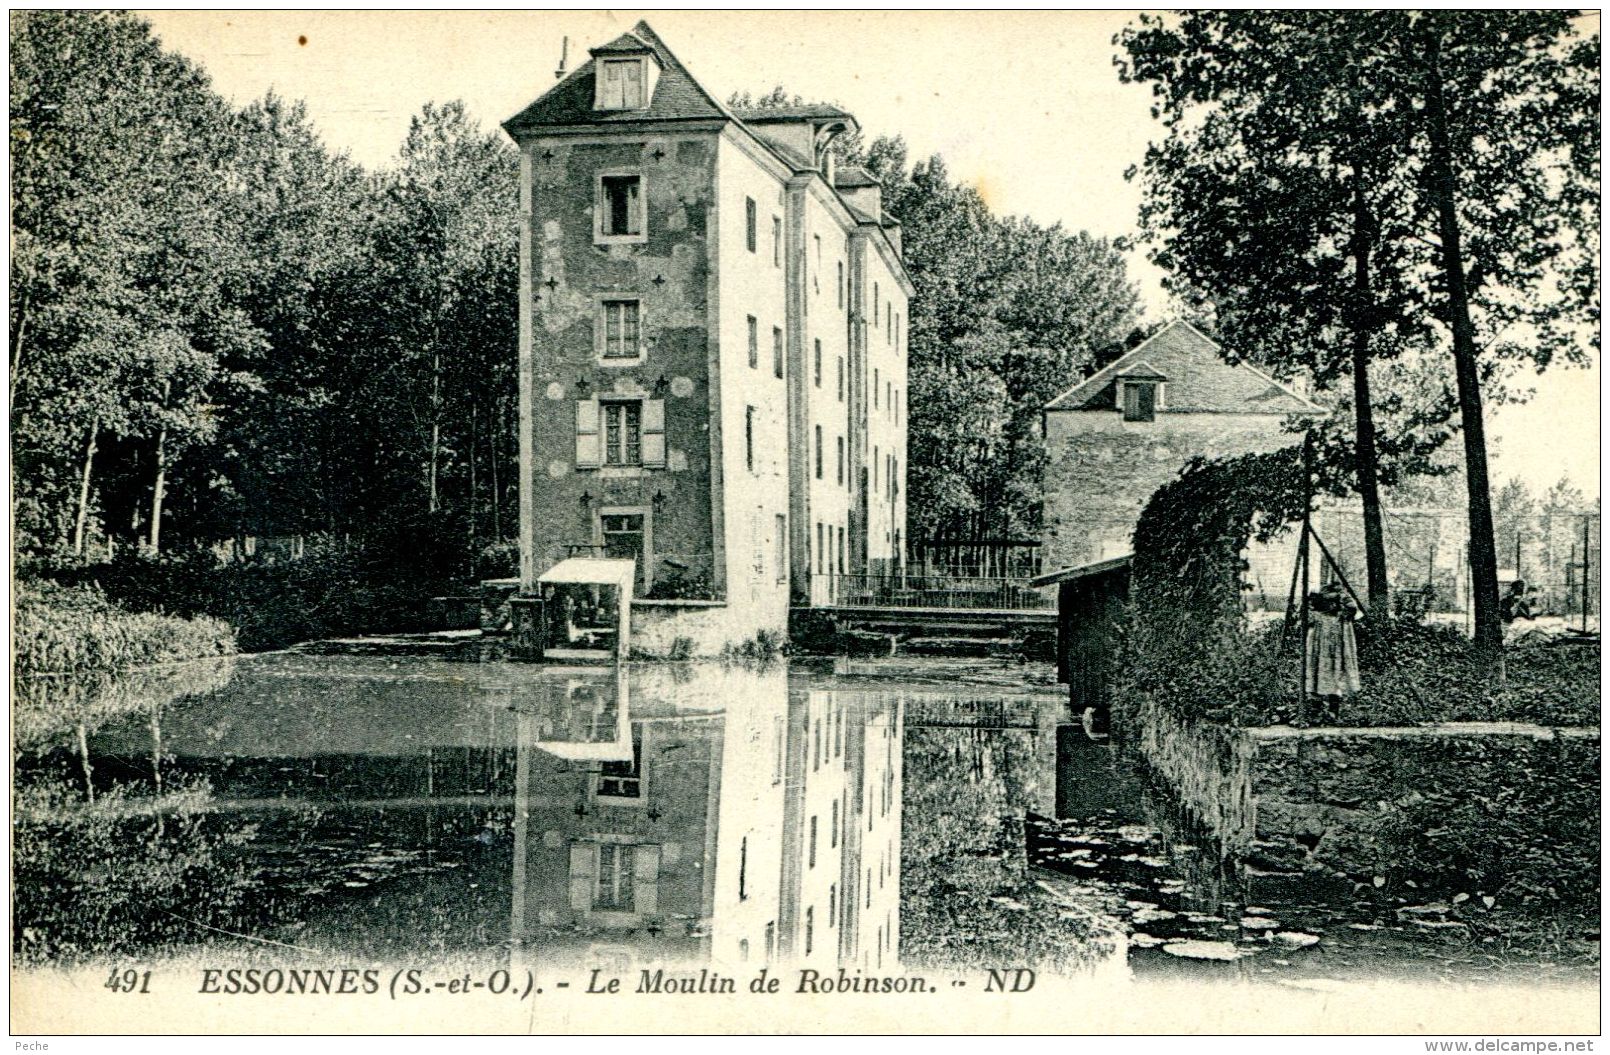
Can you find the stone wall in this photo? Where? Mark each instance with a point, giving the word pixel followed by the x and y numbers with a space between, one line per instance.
pixel 1102 470
pixel 1333 800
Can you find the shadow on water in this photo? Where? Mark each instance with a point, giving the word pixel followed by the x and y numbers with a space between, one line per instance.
pixel 398 798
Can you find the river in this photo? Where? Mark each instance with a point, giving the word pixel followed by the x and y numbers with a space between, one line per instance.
pixel 419 797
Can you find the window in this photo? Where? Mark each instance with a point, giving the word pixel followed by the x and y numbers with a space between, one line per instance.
pixel 620 206
pixel 754 343
pixel 818 452
pixel 621 86
pixel 832 902
pixel 621 329
pixel 841 283
pixel 1139 400
pixel 876 384
pixel 821 546
pixel 743 949
pixel 623 779
pixel 615 874
pixel 897 406
pixel 877 456
pixel 620 432
pixel 874 303
pixel 749 223
pixel 841 549
pixel 888 395
pixel 816 272
pixel 776 241
pixel 816 362
pixel 771 938
pixel 841 459
pixel 811 849
pixel 782 548
pixel 810 928
pixel 833 832
pixel 749 438
pixel 777 351
pixel 888 326
pixel 841 379
pixel 623 433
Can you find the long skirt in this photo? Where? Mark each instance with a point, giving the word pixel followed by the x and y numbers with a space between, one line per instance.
pixel 1332 656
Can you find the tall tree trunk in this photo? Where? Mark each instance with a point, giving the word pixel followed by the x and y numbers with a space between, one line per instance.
pixel 83 486
pixel 17 339
pixel 1444 191
pixel 1366 459
pixel 497 494
pixel 435 418
pixel 474 482
pixel 157 491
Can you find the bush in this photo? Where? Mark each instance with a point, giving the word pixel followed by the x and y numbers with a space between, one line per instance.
pixel 336 588
pixel 498 560
pixel 1411 674
pixel 63 629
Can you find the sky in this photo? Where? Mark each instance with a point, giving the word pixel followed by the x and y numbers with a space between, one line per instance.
pixel 1026 106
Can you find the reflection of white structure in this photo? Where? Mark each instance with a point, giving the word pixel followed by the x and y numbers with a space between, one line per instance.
pixel 720 817
pixel 582 717
pixel 841 869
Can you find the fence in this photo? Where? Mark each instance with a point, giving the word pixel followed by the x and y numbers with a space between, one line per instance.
pixel 1428 560
pixel 960 592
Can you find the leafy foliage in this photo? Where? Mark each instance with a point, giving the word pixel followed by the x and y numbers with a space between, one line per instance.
pixel 220 329
pixel 58 629
pixel 129 873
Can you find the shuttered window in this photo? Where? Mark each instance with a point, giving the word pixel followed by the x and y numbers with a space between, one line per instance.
pixel 623 84
pixel 620 432
pixel 777 351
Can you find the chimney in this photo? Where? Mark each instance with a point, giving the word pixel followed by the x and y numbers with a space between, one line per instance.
pixel 564 55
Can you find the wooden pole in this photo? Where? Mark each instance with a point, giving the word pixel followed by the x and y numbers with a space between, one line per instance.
pixel 1302 557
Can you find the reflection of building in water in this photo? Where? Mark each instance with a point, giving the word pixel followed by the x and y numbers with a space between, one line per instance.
pixel 716 817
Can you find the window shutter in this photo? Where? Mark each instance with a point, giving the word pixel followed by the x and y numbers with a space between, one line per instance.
pixel 646 880
pixel 583 875
pixel 653 432
pixel 587 452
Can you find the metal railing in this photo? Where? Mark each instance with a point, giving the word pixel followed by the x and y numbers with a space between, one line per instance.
pixel 895 590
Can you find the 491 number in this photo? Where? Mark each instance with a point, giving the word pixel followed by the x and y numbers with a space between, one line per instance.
pixel 129 981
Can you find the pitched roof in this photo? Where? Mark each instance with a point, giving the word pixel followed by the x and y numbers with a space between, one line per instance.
pixel 1199 380
pixel 808 112
pixel 677 96
pixel 854 176
pixel 625 44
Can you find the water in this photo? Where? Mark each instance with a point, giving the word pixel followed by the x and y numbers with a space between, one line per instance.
pixel 412 798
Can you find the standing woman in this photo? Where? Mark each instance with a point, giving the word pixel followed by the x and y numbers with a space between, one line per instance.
pixel 1332 648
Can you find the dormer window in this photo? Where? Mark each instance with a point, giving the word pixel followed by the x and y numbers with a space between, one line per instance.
pixel 1140 400
pixel 1140 392
pixel 623 84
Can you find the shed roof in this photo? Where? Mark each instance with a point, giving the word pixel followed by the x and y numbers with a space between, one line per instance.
pixel 1084 571
pixel 601 571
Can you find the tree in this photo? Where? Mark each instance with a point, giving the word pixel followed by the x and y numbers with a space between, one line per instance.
pixel 122 322
pixel 1355 142
pixel 447 257
pixel 1273 202
pixel 1500 134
